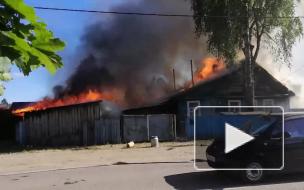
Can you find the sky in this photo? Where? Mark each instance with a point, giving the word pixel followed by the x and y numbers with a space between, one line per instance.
pixel 69 26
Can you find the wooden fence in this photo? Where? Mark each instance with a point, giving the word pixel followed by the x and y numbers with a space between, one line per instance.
pixel 69 125
pixel 86 124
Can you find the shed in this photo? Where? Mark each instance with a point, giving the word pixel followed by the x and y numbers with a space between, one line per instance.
pixel 69 125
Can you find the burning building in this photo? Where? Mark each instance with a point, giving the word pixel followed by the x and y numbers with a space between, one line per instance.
pixel 128 61
pixel 84 97
pixel 68 120
pixel 123 59
pixel 222 88
pixel 68 124
pixel 132 58
pixel 80 120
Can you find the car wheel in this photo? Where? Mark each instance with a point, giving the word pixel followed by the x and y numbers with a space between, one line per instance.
pixel 254 173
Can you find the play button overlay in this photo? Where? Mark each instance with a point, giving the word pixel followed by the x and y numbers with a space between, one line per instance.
pixel 235 138
pixel 232 137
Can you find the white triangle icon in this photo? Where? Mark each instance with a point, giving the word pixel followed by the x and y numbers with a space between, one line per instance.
pixel 235 138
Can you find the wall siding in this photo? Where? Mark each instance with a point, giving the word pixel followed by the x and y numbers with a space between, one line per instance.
pixel 183 121
pixel 64 125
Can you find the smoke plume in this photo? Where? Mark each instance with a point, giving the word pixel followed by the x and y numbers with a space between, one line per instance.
pixel 291 77
pixel 136 54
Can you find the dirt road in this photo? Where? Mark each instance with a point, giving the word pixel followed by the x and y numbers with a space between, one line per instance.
pixel 52 159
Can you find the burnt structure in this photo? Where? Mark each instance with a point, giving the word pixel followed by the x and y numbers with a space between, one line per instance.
pixel 225 89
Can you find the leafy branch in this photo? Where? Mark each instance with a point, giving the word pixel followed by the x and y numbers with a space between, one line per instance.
pixel 25 40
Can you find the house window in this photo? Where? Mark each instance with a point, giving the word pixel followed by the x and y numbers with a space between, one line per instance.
pixel 268 102
pixel 234 105
pixel 190 108
pixel 255 102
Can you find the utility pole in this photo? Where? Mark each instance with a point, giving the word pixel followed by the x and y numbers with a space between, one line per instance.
pixel 192 72
pixel 174 84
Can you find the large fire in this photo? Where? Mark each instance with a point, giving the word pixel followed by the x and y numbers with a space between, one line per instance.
pixel 88 96
pixel 209 67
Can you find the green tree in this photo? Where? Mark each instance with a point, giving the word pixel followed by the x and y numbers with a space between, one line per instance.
pixel 4 72
pixel 25 40
pixel 232 26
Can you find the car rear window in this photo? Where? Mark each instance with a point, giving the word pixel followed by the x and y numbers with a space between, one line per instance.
pixel 295 127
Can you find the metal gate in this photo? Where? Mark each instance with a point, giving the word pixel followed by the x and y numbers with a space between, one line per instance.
pixel 140 128
pixel 107 131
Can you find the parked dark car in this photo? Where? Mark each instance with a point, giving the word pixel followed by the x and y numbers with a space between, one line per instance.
pixel 265 151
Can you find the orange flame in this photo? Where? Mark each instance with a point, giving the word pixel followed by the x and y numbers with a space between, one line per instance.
pixel 209 67
pixel 88 96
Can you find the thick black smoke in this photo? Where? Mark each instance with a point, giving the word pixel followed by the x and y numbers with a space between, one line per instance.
pixel 134 53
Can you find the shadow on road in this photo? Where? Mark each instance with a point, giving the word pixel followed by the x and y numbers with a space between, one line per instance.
pixel 142 163
pixel 213 180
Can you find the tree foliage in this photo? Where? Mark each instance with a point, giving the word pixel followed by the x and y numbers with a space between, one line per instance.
pixel 271 22
pixel 4 71
pixel 25 40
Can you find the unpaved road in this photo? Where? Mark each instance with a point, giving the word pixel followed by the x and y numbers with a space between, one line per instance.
pixel 52 159
pixel 139 176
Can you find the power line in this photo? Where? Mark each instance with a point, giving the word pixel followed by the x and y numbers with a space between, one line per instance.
pixel 114 12
pixel 148 14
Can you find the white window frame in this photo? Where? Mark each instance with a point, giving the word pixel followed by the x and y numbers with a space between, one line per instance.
pixel 233 109
pixel 256 103
pixel 188 106
pixel 269 100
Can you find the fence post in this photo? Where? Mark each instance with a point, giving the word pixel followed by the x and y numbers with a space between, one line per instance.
pixel 96 132
pixel 174 121
pixel 121 126
pixel 148 127
pixel 85 134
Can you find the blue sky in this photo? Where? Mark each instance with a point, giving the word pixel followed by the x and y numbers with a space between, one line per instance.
pixel 69 27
